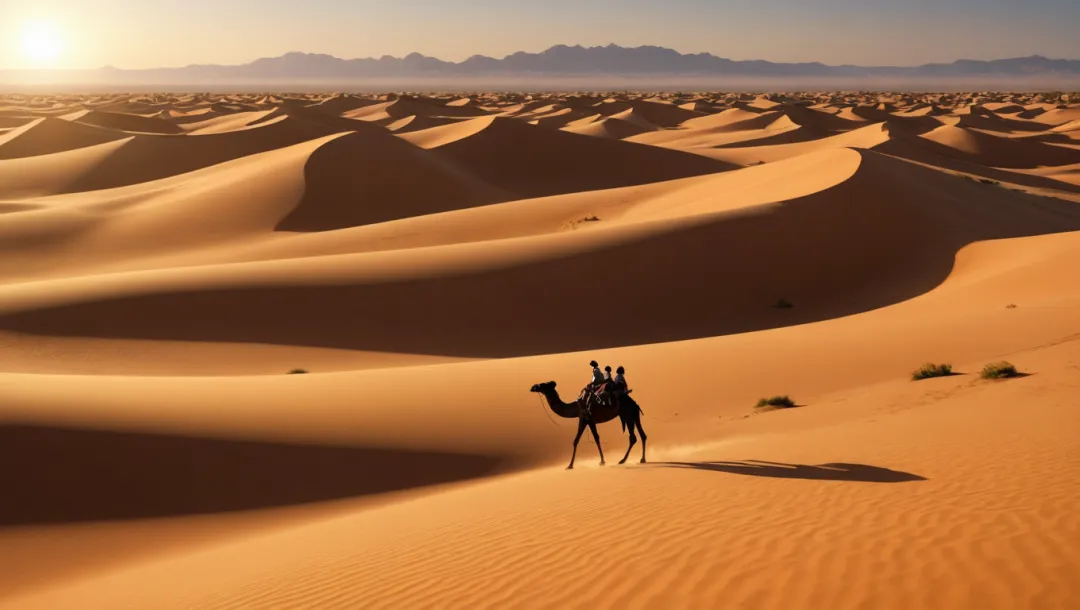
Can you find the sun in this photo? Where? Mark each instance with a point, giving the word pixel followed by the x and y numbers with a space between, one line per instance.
pixel 41 42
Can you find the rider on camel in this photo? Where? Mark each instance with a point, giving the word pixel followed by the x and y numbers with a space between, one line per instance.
pixel 620 381
pixel 595 384
pixel 597 374
pixel 607 390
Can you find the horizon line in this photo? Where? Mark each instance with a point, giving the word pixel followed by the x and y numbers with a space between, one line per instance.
pixel 504 57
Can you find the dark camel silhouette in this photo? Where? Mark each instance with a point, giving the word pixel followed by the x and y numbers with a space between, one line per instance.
pixel 624 407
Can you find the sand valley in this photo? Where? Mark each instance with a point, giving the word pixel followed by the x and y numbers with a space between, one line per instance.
pixel 167 260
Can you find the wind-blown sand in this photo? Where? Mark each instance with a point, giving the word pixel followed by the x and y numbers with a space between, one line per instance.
pixel 165 261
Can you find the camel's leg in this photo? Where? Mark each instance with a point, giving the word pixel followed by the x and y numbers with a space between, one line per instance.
pixel 580 429
pixel 596 437
pixel 643 438
pixel 633 441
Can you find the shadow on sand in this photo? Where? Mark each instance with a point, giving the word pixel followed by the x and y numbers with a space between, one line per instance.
pixel 861 473
pixel 60 475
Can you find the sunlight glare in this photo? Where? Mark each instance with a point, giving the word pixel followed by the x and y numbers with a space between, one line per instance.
pixel 41 42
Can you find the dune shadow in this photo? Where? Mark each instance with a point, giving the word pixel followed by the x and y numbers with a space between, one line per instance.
pixel 58 475
pixel 872 255
pixel 861 473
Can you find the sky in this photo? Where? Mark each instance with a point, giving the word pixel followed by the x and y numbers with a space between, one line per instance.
pixel 132 34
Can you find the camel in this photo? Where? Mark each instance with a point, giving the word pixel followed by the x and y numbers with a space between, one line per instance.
pixel 625 408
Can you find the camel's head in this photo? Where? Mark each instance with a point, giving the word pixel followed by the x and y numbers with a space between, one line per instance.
pixel 543 387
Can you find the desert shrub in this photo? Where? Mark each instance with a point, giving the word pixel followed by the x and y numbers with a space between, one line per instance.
pixel 574 224
pixel 1011 306
pixel 989 181
pixel 929 370
pixel 999 370
pixel 784 304
pixel 782 402
pixel 298 372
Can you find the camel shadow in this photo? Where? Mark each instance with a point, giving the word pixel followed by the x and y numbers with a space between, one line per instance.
pixel 861 473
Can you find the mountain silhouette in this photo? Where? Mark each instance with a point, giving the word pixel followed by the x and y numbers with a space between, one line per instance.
pixel 561 61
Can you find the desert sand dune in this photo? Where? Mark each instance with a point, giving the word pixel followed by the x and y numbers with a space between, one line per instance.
pixel 850 114
pixel 398 180
pixel 815 119
pixel 989 150
pixel 609 127
pixel 554 162
pixel 90 221
pixel 781 131
pixel 117 484
pixel 417 123
pixel 733 119
pixel 165 260
pixel 191 115
pixel 1071 126
pixel 992 122
pixel 1004 107
pixel 930 154
pixel 923 499
pixel 924 110
pixel 231 122
pixel 656 113
pixel 1058 116
pixel 300 173
pixel 913 124
pixel 636 118
pixel 913 216
pixel 46 136
pixel 865 137
pixel 560 118
pixel 307 187
pixel 145 158
pixel 702 135
pixel 522 108
pixel 701 105
pixel 739 128
pixel 954 329
pixel 132 123
pixel 404 107
pixel 11 122
pixel 50 174
pixel 1064 173
pixel 340 104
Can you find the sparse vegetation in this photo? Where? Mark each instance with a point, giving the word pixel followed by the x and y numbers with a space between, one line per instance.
pixel 575 223
pixel 989 181
pixel 298 372
pixel 1011 306
pixel 999 370
pixel 930 370
pixel 784 304
pixel 779 402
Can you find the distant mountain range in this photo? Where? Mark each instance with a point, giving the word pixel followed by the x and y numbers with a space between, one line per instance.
pixel 646 63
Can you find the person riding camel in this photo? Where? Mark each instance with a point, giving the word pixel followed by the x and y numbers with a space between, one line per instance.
pixel 597 374
pixel 620 382
pixel 594 385
pixel 606 390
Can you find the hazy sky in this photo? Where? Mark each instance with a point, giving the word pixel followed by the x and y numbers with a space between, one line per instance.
pixel 149 33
